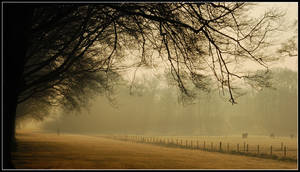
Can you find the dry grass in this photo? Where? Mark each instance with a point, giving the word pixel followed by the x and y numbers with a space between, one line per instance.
pixel 49 151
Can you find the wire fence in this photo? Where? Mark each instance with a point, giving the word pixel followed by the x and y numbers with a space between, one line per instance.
pixel 281 152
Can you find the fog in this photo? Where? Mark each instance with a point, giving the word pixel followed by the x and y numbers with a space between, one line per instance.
pixel 154 109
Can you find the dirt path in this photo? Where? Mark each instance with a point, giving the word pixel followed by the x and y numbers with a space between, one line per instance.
pixel 49 151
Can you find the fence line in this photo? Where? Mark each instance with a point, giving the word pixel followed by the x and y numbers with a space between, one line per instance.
pixel 189 145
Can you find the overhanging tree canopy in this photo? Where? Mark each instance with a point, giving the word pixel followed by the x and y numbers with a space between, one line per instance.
pixel 73 47
pixel 75 50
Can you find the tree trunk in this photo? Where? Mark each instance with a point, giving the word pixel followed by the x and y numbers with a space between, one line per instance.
pixel 9 117
pixel 16 22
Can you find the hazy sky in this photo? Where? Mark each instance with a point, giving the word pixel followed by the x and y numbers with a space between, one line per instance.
pixel 291 14
pixel 291 8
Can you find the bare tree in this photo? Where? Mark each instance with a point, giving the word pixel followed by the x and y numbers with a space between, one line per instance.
pixel 69 51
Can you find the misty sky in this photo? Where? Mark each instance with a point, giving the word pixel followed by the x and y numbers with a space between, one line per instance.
pixel 291 14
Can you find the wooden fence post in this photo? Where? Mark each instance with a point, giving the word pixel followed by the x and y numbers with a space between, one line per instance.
pixel 257 149
pixel 247 148
pixel 227 147
pixel 220 146
pixel 244 146
pixel 271 150
pixel 284 151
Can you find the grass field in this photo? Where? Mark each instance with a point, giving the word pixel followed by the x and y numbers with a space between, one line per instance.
pixel 66 151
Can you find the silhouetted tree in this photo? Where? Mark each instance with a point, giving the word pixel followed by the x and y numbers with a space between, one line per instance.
pixel 60 54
